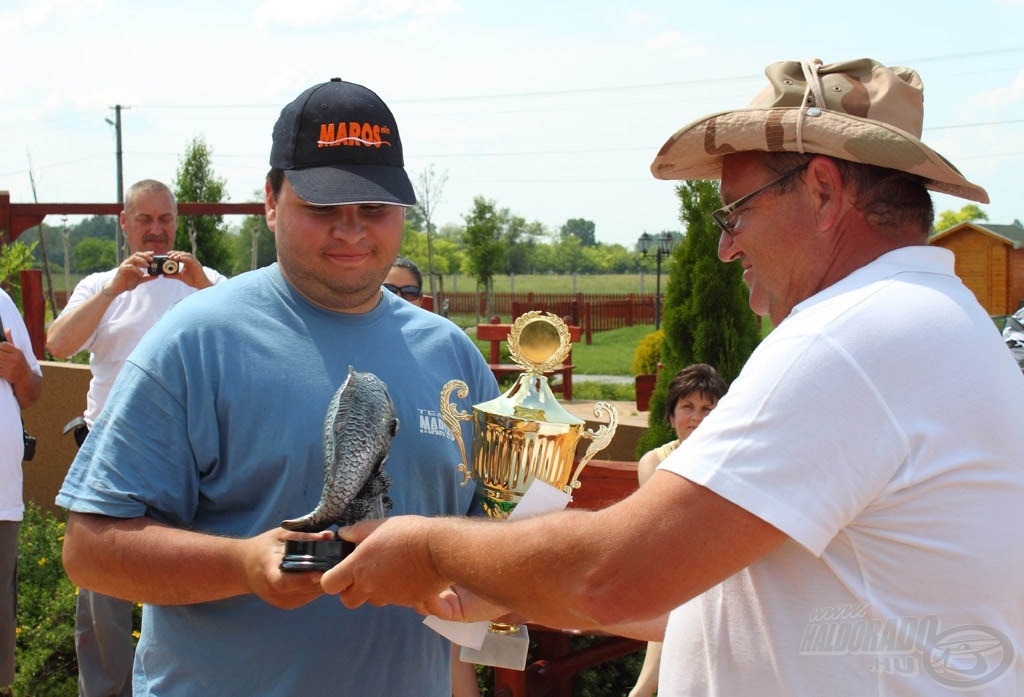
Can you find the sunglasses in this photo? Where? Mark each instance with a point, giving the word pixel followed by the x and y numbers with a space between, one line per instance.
pixel 407 292
pixel 723 216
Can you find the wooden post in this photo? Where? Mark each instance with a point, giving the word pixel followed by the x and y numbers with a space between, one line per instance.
pixel 34 306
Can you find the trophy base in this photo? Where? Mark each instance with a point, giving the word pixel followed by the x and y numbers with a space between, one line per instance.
pixel 500 650
pixel 314 555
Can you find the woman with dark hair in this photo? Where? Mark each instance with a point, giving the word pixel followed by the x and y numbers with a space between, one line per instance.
pixel 692 394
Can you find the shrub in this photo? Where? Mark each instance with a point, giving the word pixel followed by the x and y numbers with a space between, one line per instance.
pixel 648 354
pixel 45 661
pixel 45 654
pixel 14 257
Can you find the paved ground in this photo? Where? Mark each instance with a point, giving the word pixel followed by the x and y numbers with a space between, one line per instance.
pixel 610 379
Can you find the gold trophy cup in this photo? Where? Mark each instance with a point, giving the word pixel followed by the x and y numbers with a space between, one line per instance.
pixel 519 437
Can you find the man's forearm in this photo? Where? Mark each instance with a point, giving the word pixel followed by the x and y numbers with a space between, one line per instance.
pixel 27 388
pixel 69 332
pixel 141 560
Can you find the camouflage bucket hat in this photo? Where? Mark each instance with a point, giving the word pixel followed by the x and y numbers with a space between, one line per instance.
pixel 858 110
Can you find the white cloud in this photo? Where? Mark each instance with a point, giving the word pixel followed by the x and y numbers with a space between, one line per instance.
pixel 1002 97
pixel 637 19
pixel 310 13
pixel 677 44
pixel 34 14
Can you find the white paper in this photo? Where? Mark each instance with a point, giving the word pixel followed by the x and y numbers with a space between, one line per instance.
pixel 469 634
pixel 539 498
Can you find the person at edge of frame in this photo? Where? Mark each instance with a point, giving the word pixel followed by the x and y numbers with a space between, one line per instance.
pixel 829 529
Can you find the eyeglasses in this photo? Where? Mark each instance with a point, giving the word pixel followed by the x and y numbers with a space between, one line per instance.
pixel 722 215
pixel 407 292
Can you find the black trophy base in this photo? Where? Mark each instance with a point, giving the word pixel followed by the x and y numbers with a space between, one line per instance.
pixel 314 555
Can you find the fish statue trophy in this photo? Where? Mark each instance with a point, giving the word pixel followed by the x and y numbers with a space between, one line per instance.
pixel 358 428
pixel 522 436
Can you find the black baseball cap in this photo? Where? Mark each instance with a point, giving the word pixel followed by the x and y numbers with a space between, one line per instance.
pixel 338 144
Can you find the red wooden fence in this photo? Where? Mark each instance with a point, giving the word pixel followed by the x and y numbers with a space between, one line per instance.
pixel 595 312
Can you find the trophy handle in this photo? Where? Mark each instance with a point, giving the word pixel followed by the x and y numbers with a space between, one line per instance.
pixel 599 440
pixel 451 416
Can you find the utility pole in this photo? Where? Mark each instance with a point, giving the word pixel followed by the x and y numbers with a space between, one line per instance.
pixel 255 247
pixel 67 263
pixel 118 234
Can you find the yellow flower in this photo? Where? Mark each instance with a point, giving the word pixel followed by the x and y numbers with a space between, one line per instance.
pixel 42 561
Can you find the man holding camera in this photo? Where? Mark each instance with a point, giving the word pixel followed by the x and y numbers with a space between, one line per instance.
pixel 107 314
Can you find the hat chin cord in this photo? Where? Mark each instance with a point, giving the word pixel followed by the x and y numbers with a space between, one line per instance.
pixel 810 69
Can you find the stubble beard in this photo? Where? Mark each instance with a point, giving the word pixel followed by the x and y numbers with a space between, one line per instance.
pixel 333 293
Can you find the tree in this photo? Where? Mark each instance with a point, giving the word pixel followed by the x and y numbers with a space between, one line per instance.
pixel 266 247
pixel 429 186
pixel 449 256
pixel 582 229
pixel 707 318
pixel 414 218
pixel 967 214
pixel 482 237
pixel 569 254
pixel 93 254
pixel 521 239
pixel 205 235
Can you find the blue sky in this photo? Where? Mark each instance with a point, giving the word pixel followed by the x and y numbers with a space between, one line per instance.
pixel 551 109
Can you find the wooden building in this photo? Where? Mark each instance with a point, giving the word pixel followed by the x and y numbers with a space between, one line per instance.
pixel 990 261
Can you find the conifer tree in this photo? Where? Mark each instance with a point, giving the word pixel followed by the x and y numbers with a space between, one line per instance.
pixel 706 317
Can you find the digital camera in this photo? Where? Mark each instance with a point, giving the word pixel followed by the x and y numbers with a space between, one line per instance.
pixel 30 445
pixel 161 265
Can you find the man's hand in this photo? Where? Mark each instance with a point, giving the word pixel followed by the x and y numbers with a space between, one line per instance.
pixel 12 360
pixel 461 605
pixel 133 271
pixel 130 273
pixel 14 368
pixel 391 565
pixel 191 271
pixel 284 590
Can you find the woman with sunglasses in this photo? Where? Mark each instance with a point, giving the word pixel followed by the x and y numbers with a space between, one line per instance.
pixel 405 279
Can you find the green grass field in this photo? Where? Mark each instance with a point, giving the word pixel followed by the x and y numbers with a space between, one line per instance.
pixel 610 353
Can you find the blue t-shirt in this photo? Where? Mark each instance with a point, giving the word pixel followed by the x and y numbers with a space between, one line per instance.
pixel 215 424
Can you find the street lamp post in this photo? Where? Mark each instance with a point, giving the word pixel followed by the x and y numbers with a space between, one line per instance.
pixel 661 245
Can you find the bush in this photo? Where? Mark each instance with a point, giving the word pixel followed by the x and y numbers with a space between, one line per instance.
pixel 648 354
pixel 45 654
pixel 14 257
pixel 45 661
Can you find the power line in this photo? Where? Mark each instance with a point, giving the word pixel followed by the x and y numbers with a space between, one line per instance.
pixel 597 89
